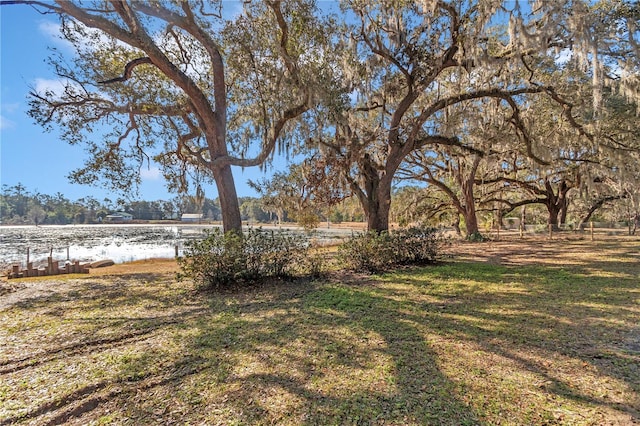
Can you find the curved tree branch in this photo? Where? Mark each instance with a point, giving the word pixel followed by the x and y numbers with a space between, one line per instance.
pixel 128 70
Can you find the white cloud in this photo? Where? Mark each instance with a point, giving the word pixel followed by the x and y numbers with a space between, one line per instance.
pixel 152 173
pixel 52 31
pixel 42 85
pixel 93 40
pixel 6 124
pixel 58 86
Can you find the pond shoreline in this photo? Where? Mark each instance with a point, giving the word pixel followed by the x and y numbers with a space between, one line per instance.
pixel 124 242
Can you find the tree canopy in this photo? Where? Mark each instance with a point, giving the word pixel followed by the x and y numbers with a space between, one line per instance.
pixel 548 87
pixel 194 87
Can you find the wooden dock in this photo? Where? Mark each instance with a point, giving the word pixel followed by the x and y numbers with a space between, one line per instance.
pixel 52 268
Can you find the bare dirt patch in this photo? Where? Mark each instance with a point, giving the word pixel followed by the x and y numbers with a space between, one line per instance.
pixel 149 266
pixel 562 250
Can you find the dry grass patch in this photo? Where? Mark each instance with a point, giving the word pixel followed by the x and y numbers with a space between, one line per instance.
pixel 470 341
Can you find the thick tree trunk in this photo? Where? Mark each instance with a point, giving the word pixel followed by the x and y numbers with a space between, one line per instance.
pixel 563 212
pixel 375 200
pixel 556 203
pixel 378 217
pixel 471 221
pixel 377 204
pixel 554 212
pixel 469 208
pixel 375 197
pixel 231 219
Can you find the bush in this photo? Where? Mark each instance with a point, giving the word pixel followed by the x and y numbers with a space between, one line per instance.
pixel 377 252
pixel 274 254
pixel 226 259
pixel 364 252
pixel 415 246
pixel 477 237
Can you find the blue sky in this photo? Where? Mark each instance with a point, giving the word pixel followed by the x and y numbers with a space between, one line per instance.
pixel 33 157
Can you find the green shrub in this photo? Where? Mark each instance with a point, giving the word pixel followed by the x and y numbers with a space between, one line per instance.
pixel 415 246
pixel 368 252
pixel 227 259
pixel 377 252
pixel 315 263
pixel 274 254
pixel 477 237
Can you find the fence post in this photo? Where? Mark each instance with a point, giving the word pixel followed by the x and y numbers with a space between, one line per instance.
pixel 550 231
pixel 591 228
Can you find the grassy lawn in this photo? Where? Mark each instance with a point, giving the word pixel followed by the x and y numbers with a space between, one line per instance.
pixel 523 334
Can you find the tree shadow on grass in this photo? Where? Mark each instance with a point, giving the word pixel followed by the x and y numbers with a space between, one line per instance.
pixel 619 255
pixel 41 293
pixel 85 321
pixel 333 355
pixel 557 312
pixel 143 327
pixel 347 353
pixel 83 401
pixel 91 316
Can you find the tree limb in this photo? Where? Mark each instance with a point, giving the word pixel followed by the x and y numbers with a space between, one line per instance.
pixel 128 70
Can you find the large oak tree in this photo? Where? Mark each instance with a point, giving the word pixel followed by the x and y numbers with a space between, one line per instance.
pixel 410 65
pixel 182 83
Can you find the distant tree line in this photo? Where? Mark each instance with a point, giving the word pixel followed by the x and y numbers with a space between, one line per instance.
pixel 281 201
pixel 21 206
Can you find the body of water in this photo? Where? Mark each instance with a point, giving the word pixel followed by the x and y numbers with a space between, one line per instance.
pixel 120 243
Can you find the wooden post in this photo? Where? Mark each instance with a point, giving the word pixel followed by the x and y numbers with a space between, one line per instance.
pixel 67 252
pixel 50 265
pixel 176 247
pixel 591 228
pixel 28 254
pixel 550 231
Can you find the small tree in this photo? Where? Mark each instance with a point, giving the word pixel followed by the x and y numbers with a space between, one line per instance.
pixel 304 191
